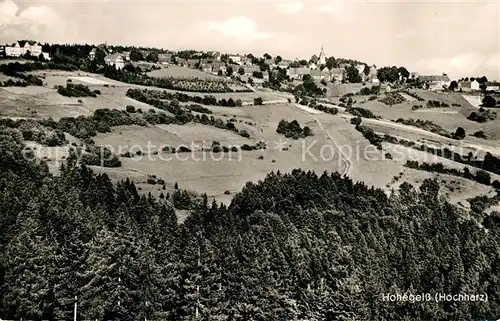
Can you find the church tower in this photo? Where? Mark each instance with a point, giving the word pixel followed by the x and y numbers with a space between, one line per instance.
pixel 322 57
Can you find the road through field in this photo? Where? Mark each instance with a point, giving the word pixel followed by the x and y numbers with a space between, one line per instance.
pixel 345 159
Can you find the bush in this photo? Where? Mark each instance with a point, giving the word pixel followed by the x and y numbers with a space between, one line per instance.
pixel 293 130
pixel 130 109
pixel 360 112
pixel 244 133
pixel 479 134
pixel 258 101
pixel 356 120
pixel 460 133
pixel 72 90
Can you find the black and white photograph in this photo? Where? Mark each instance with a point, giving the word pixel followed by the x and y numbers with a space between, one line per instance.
pixel 249 160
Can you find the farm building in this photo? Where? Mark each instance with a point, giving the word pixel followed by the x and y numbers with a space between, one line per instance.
pixel 319 75
pixel 164 59
pixel 192 63
pixel 468 85
pixel 216 66
pixel 297 73
pixel 337 74
pixel 236 59
pixel 249 70
pixel 435 82
pixel 492 86
pixel 207 67
pixel 284 64
pixel 214 55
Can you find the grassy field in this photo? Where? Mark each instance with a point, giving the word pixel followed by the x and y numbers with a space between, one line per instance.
pixel 220 173
pixel 224 172
pixel 182 72
pixel 44 102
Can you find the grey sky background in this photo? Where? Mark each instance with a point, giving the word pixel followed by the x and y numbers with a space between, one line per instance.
pixel 457 37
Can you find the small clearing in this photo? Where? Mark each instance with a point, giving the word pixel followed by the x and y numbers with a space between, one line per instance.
pixel 90 80
pixel 308 109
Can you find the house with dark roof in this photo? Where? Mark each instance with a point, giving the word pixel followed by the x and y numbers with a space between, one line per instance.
pixel 337 74
pixel 434 82
pixel 192 63
pixel 298 73
pixel 165 58
pixel 216 66
pixel 206 67
pixel 468 86
pixel 249 70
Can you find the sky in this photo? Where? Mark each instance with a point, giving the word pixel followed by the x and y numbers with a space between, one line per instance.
pixel 460 38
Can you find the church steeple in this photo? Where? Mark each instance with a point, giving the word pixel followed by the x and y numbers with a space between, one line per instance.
pixel 322 57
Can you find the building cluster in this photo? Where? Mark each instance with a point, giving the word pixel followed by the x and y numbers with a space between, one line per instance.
pixel 24 48
pixel 433 82
pixel 474 85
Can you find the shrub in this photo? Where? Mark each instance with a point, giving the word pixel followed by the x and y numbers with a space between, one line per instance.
pixel 258 101
pixel 356 120
pixel 360 112
pixel 293 129
pixel 479 134
pixel 130 109
pixel 460 133
pixel 244 133
pixel 72 90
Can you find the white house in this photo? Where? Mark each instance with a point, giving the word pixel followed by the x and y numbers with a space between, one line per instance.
pixel 236 59
pixel 116 59
pixel 23 47
pixel 284 64
pixel 361 69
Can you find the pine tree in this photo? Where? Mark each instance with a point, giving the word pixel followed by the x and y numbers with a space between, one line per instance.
pixel 28 291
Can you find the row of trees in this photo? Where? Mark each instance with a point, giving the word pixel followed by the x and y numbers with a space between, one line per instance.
pixel 392 74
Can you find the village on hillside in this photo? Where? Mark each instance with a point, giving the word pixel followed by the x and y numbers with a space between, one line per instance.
pixel 329 73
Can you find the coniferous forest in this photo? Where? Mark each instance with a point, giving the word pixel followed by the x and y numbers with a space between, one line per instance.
pixel 296 246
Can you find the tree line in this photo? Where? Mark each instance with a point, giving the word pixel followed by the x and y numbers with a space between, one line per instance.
pixel 293 246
